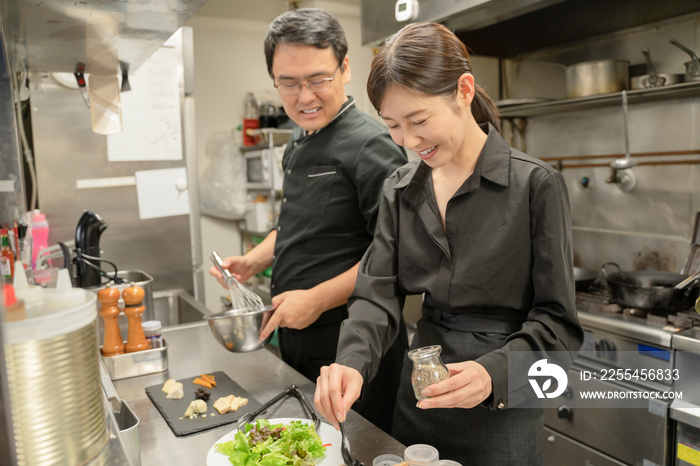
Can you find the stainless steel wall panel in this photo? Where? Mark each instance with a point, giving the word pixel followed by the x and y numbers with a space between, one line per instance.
pixel 593 248
pixel 649 227
pixel 66 150
pixel 12 195
pixel 659 205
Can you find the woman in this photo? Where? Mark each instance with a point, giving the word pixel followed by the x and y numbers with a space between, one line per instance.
pixel 479 228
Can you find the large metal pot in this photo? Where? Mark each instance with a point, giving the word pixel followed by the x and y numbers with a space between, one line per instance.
pixel 597 77
pixel 650 290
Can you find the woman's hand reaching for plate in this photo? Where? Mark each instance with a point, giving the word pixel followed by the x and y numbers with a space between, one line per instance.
pixel 337 388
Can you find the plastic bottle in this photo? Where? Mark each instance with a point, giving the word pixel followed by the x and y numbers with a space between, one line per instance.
pixel 40 235
pixel 25 256
pixel 251 120
pixel 7 258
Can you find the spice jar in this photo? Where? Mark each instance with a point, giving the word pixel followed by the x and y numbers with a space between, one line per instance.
pixel 151 328
pixel 387 460
pixel 421 454
pixel 428 369
pixel 446 463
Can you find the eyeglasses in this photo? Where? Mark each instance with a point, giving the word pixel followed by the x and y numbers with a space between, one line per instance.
pixel 319 85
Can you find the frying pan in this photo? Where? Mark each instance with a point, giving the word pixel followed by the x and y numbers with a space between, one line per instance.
pixel 652 78
pixel 651 290
pixel 692 67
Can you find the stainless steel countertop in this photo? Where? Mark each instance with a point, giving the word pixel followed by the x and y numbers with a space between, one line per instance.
pixel 192 350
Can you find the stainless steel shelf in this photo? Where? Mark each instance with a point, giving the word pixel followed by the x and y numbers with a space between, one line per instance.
pixel 676 91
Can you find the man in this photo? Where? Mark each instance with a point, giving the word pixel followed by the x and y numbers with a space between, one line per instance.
pixel 335 165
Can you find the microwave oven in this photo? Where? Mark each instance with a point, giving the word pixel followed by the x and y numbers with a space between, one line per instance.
pixel 264 168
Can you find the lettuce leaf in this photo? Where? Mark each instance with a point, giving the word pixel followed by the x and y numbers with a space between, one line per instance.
pixel 298 445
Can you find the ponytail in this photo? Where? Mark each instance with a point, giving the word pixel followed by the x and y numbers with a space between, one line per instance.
pixel 484 109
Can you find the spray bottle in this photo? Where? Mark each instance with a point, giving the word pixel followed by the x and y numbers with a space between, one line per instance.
pixel 40 235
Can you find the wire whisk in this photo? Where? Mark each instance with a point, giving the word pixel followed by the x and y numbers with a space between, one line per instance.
pixel 242 299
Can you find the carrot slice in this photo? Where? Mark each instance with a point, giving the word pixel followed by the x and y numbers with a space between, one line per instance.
pixel 202 382
pixel 208 378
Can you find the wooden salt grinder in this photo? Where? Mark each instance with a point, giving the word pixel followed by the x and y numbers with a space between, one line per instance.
pixel 113 343
pixel 133 297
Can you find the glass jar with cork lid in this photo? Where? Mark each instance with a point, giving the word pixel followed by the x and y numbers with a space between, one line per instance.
pixel 428 369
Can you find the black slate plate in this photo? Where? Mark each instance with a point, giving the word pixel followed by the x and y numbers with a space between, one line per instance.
pixel 173 410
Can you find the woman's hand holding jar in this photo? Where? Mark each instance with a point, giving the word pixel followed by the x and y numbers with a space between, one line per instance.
pixel 468 385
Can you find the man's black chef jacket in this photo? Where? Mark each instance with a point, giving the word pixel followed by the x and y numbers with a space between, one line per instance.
pixel 332 183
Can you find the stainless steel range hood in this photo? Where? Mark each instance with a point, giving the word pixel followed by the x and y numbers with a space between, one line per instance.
pixel 56 35
pixel 510 28
pixel 379 22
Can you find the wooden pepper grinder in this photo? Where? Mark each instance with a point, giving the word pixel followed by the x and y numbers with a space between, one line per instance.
pixel 133 297
pixel 113 343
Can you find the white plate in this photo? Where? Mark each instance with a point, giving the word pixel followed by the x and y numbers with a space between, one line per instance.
pixel 328 434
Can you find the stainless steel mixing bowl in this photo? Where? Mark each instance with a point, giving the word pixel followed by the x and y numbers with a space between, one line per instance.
pixel 238 330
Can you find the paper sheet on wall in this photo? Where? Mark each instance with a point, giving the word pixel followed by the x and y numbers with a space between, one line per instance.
pixel 162 193
pixel 151 113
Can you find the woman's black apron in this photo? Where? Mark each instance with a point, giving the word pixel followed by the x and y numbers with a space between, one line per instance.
pixel 478 436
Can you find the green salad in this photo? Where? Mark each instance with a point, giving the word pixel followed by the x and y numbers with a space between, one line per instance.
pixel 265 444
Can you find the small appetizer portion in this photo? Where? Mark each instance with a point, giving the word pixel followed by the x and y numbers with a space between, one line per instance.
pixel 202 394
pixel 173 389
pixel 205 380
pixel 196 408
pixel 229 403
